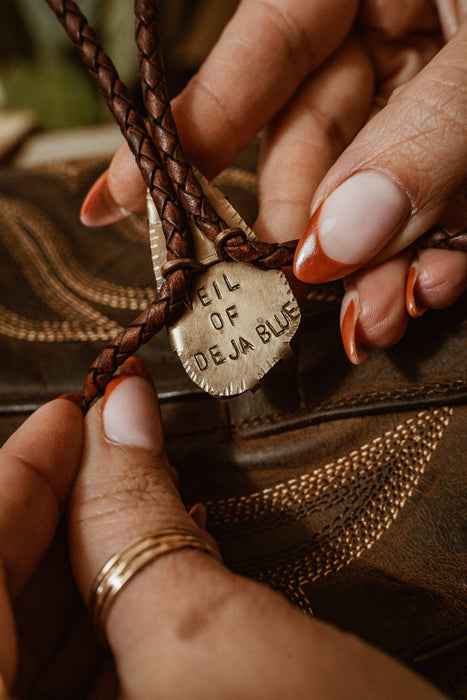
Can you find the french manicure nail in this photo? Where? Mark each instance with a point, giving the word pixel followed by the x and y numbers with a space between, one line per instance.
pixel 131 413
pixel 414 309
pixel 349 318
pixel 350 227
pixel 99 207
pixel 311 264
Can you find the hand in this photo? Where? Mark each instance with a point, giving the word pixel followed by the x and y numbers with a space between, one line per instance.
pixel 375 179
pixel 185 626
pixel 37 467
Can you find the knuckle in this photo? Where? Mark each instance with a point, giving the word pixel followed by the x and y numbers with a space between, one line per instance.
pixel 291 31
pixel 442 278
pixel 383 324
pixel 141 489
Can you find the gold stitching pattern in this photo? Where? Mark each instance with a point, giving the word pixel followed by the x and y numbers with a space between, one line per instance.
pixel 15 326
pixel 47 263
pixel 344 506
pixel 31 232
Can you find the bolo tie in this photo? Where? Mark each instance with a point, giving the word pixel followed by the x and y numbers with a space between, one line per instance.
pixel 221 293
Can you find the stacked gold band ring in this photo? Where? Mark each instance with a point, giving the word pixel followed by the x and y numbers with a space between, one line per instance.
pixel 124 565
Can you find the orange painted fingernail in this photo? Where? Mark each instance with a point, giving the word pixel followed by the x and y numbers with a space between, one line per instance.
pixel 132 367
pixel 352 224
pixel 130 413
pixel 99 208
pixel 414 309
pixel 354 351
pixel 311 264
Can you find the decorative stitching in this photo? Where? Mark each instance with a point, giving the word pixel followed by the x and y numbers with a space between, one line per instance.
pixel 347 505
pixel 424 390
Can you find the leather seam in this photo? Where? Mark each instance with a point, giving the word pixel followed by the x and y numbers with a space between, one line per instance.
pixel 426 391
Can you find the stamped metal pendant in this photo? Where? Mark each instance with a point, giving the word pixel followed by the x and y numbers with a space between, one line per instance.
pixel 239 320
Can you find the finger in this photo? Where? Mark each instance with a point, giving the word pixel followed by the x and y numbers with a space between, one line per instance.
pixel 306 139
pixel 184 609
pixel 397 21
pixel 435 280
pixel 119 191
pixel 263 55
pixel 125 490
pixel 450 14
pixel 125 487
pixel 394 180
pixel 373 313
pixel 37 466
pixel 198 513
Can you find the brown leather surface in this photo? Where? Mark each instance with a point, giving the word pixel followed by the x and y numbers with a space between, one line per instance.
pixel 342 486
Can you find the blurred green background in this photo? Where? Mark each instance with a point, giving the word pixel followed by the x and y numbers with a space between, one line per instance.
pixel 41 71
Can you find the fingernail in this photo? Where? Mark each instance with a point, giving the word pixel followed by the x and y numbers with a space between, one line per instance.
pixel 311 264
pixel 131 413
pixel 349 318
pixel 99 208
pixel 350 227
pixel 75 397
pixel 198 513
pixel 414 308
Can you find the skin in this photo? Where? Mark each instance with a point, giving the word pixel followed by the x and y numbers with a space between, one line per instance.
pixel 166 612
pixel 306 75
pixel 214 634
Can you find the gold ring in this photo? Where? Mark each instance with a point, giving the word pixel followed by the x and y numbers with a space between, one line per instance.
pixel 124 565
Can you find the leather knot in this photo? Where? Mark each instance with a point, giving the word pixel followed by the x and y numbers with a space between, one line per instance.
pixel 224 236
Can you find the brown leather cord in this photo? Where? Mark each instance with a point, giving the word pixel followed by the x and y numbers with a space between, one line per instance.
pixel 167 305
pixel 174 188
pixel 165 309
pixel 446 237
pixel 171 265
pixel 223 237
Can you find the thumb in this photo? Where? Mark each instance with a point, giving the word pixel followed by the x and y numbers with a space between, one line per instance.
pixel 125 485
pixel 398 175
pixel 125 491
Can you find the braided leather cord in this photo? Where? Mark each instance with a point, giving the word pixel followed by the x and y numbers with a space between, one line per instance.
pixel 176 164
pixel 171 182
pixel 446 237
pixel 167 304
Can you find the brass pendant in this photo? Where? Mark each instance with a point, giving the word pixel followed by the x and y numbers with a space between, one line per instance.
pixel 239 319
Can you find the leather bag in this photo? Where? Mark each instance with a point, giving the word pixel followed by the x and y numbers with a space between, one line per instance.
pixel 343 487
